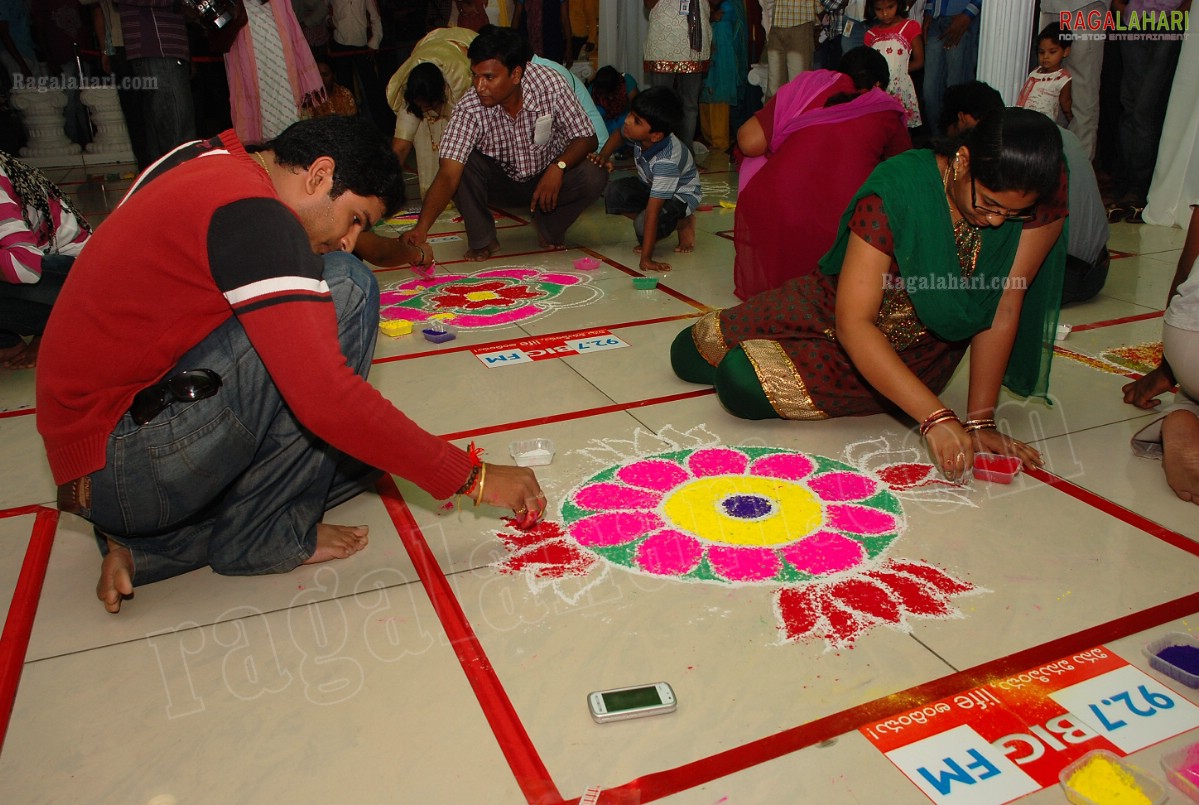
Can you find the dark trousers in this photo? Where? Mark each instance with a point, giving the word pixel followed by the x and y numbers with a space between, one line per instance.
pixel 347 63
pixel 24 308
pixel 1084 280
pixel 630 194
pixel 484 182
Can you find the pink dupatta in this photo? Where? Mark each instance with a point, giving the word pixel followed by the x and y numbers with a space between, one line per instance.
pixel 791 113
pixel 242 68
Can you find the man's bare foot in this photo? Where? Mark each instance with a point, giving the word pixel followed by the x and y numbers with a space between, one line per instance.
pixel 116 577
pixel 637 248
pixel 686 230
pixel 1180 454
pixel 553 247
pixel 484 253
pixel 337 542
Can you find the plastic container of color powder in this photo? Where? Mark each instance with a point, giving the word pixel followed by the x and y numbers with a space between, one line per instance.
pixel 1101 778
pixel 1182 770
pixel 1175 654
pixel 532 452
pixel 586 263
pixel 395 327
pixel 645 283
pixel 996 468
pixel 439 332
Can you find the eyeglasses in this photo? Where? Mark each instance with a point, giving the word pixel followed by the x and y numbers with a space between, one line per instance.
pixel 188 386
pixel 1021 216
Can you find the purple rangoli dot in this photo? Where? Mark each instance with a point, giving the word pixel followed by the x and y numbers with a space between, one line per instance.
pixel 747 507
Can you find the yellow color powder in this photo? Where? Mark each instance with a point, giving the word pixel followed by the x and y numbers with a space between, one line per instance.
pixel 1106 783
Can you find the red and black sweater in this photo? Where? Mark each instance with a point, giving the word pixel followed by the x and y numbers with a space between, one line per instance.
pixel 202 236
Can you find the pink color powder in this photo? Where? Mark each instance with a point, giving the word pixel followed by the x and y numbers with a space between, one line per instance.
pixel 614 528
pixel 653 474
pixel 859 519
pixel 843 486
pixel 789 466
pixel 603 497
pixel 717 461
pixel 824 552
pixel 744 564
pixel 669 553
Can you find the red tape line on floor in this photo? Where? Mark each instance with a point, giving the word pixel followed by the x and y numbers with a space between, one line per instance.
pixel 1095 325
pixel 14 641
pixel 531 774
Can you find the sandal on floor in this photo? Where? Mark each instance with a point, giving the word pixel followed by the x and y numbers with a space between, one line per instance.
pixel 1116 212
pixel 1136 214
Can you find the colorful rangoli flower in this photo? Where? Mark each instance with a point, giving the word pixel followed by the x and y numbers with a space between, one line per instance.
pixel 492 298
pixel 815 528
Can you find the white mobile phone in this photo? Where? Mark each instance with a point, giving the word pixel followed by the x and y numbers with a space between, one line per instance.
pixel 638 701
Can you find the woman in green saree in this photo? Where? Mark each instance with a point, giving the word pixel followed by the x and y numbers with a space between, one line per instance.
pixel 937 252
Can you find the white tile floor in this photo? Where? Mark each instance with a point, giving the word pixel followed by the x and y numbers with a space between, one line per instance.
pixel 418 672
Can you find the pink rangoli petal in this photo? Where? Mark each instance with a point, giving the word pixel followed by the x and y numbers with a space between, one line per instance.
pixel 653 474
pixel 789 466
pixel 717 461
pixel 837 486
pixel 614 528
pixel 744 564
pixel 605 497
pixel 859 519
pixel 669 553
pixel 824 552
pixel 561 279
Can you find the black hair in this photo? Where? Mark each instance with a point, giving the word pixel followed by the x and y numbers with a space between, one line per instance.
pixel 660 107
pixel 607 79
pixel 1013 149
pixel 364 163
pixel 1052 31
pixel 425 84
pixel 974 98
pixel 504 45
pixel 901 9
pixel 866 66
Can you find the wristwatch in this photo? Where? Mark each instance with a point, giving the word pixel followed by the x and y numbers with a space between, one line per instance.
pixel 561 165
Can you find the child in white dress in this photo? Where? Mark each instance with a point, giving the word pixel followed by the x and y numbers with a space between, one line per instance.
pixel 901 42
pixel 1047 89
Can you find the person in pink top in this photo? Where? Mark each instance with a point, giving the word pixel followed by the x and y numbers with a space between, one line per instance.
pixel 807 152
pixel 41 232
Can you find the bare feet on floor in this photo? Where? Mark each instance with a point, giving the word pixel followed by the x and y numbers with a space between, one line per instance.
pixel 484 253
pixel 1180 454
pixel 553 247
pixel 686 230
pixel 116 577
pixel 22 356
pixel 337 542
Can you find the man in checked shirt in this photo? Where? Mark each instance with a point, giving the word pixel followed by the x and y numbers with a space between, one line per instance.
pixel 518 135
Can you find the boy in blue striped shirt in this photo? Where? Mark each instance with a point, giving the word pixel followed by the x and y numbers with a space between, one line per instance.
pixel 662 197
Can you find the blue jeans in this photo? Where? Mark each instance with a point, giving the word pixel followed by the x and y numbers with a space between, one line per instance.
pixel 946 68
pixel 1144 95
pixel 24 308
pixel 167 112
pixel 233 481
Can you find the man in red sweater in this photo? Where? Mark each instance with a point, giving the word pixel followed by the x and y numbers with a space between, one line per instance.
pixel 202 387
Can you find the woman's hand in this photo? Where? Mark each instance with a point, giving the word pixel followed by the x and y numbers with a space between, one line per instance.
pixel 951 450
pixel 514 488
pixel 990 440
